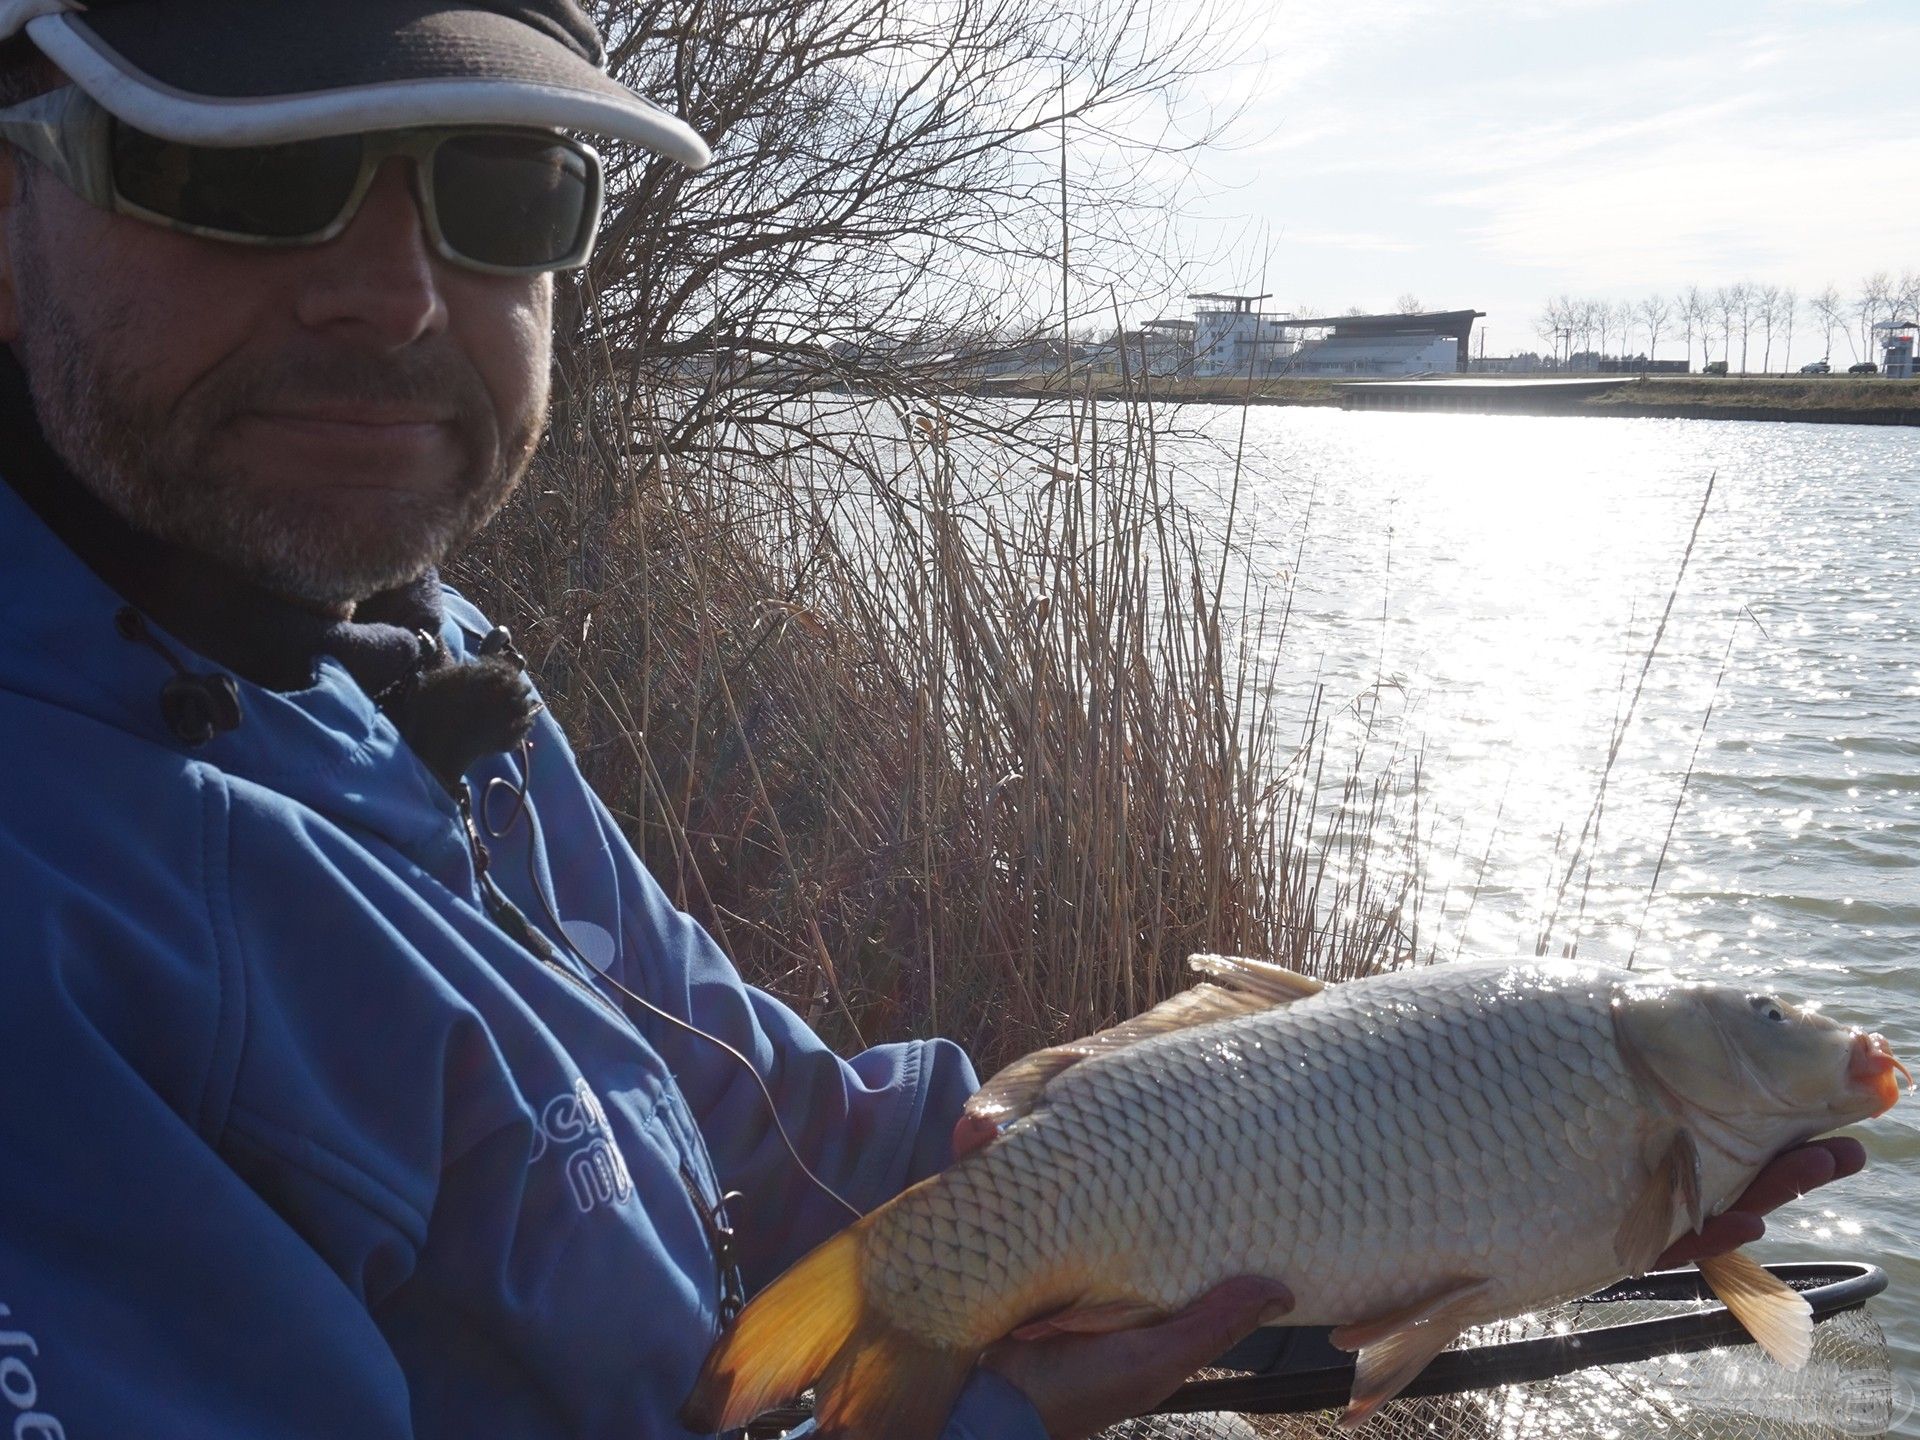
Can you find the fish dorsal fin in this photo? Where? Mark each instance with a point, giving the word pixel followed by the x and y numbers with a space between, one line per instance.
pixel 1397 1346
pixel 1777 1316
pixel 1235 987
pixel 1672 1189
pixel 1260 980
pixel 1010 1093
pixel 1013 1091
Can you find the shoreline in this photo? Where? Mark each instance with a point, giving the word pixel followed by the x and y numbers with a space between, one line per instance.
pixel 1815 400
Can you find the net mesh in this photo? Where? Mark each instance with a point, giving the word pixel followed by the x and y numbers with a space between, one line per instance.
pixel 1736 1393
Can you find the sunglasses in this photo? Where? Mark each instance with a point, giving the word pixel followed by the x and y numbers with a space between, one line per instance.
pixel 500 200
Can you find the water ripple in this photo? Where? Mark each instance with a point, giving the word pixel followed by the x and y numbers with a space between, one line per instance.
pixel 1508 573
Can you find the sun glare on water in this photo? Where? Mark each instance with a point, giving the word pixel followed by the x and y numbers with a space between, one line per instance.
pixel 1484 592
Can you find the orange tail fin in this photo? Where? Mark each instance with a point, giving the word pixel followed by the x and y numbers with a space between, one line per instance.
pixel 810 1327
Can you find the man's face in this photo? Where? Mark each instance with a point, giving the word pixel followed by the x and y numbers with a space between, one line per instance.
pixel 329 420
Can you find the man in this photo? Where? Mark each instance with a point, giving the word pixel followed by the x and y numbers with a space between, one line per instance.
pixel 354 1077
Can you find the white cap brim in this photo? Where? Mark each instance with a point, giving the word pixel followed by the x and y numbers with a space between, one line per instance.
pixel 536 83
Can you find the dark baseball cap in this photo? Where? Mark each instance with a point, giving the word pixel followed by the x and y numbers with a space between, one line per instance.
pixel 259 72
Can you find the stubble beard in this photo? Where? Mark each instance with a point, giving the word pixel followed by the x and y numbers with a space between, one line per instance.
pixel 158 467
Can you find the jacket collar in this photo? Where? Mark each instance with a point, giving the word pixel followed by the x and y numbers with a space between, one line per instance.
pixel 218 612
pixel 64 643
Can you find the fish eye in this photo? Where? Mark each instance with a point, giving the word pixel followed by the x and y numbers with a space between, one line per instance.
pixel 1768 1007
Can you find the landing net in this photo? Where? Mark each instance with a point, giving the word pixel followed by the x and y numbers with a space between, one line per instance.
pixel 1674 1388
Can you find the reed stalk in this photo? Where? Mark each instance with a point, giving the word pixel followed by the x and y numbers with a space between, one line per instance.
pixel 936 734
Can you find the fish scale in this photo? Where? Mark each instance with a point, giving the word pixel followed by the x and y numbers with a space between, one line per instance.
pixel 1475 1080
pixel 1411 1154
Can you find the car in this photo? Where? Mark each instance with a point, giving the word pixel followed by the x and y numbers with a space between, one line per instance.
pixel 1714 367
pixel 1865 367
pixel 1816 367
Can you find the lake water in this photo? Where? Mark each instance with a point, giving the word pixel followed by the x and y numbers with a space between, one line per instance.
pixel 1504 577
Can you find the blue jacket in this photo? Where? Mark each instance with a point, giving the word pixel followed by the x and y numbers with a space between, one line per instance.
pixel 296 1141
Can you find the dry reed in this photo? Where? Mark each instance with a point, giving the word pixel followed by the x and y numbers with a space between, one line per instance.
pixel 935 735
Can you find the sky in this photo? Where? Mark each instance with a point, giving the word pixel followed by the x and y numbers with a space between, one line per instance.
pixel 1489 154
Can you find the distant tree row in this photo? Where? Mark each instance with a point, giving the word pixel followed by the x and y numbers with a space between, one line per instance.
pixel 1738 323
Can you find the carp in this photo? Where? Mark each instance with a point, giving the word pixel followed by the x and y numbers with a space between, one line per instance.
pixel 1412 1154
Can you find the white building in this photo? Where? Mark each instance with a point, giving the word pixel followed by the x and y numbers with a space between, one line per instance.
pixel 1230 337
pixel 1387 355
pixel 1401 345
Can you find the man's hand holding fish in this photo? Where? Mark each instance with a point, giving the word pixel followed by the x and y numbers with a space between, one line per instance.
pixel 1411 1155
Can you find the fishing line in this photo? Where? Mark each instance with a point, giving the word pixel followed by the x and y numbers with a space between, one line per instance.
pixel 523 805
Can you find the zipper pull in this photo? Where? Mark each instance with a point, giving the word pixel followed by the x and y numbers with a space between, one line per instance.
pixel 732 1298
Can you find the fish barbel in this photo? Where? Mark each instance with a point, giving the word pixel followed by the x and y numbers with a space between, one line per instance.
pixel 1412 1154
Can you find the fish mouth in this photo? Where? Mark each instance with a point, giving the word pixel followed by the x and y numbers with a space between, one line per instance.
pixel 1870 1066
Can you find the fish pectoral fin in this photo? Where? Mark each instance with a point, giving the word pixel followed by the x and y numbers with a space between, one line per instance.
pixel 1363 1333
pixel 1672 1188
pixel 1260 980
pixel 1397 1346
pixel 1687 1181
pixel 1015 1091
pixel 1101 1319
pixel 1774 1313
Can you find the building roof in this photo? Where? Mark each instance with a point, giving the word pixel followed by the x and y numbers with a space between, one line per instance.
pixel 1239 302
pixel 1435 322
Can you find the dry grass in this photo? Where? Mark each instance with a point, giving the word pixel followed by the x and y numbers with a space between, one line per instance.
pixel 935 739
pixel 1811 392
